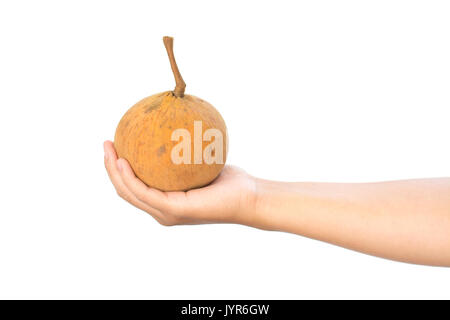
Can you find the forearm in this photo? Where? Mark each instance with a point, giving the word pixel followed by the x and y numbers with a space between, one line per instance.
pixel 403 220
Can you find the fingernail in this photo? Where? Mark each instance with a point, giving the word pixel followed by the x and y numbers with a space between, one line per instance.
pixel 119 166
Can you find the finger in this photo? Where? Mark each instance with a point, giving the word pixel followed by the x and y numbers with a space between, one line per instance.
pixel 116 179
pixel 110 164
pixel 113 172
pixel 153 197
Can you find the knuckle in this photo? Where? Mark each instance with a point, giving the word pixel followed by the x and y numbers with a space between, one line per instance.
pixel 170 220
pixel 141 197
pixel 123 195
pixel 167 223
pixel 120 193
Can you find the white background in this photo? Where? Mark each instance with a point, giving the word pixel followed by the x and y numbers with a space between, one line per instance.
pixel 315 90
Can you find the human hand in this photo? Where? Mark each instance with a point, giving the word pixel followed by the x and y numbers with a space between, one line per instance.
pixel 230 198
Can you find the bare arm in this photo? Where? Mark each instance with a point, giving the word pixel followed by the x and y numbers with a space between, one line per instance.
pixel 401 220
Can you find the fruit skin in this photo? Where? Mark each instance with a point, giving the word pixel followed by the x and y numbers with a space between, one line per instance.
pixel 143 137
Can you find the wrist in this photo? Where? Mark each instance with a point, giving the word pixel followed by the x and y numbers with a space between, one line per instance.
pixel 263 210
pixel 251 202
pixel 278 205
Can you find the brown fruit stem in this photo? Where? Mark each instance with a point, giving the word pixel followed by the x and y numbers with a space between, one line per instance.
pixel 180 85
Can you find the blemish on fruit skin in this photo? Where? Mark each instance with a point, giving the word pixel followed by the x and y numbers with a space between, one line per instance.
pixel 154 105
pixel 161 150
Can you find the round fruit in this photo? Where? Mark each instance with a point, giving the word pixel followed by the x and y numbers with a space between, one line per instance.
pixel 173 141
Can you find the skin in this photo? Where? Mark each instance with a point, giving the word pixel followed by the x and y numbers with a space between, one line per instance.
pixel 405 220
